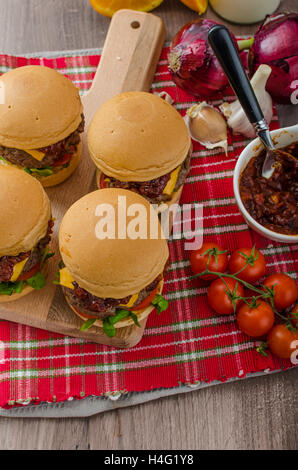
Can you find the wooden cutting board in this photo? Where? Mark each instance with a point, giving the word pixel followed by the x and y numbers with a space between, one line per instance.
pixel 128 63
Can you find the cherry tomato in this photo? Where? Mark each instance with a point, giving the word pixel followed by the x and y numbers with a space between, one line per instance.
pixel 255 321
pixel 28 274
pixel 218 260
pixel 280 340
pixel 294 316
pixel 285 290
pixel 63 160
pixel 146 301
pixel 219 295
pixel 255 261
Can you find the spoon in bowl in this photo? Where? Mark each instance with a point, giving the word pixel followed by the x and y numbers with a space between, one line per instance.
pixel 227 54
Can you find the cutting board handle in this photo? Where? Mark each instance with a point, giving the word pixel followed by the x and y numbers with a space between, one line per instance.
pixel 129 58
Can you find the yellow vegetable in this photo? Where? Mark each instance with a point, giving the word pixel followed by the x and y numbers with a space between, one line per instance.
pixel 17 269
pixel 172 182
pixel 66 278
pixel 198 5
pixel 109 7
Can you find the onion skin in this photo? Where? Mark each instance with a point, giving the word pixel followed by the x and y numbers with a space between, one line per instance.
pixel 276 44
pixel 192 61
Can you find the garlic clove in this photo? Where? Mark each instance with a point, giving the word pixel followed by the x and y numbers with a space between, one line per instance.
pixel 237 119
pixel 226 109
pixel 207 126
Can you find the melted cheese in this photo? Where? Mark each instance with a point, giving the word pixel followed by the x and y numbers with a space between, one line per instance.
pixel 17 269
pixel 131 301
pixel 170 186
pixel 66 278
pixel 36 154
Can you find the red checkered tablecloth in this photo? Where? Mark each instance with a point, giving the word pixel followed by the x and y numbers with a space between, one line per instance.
pixel 188 343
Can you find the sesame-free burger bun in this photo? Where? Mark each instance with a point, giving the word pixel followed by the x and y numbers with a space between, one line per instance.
pixel 137 136
pixel 110 268
pixel 39 107
pixel 24 211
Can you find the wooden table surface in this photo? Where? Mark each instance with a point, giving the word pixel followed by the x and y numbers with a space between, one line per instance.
pixel 257 413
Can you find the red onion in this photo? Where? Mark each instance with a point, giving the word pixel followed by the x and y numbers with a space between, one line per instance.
pixel 276 44
pixel 192 62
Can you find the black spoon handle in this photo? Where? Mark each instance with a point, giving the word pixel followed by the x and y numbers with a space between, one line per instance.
pixel 227 54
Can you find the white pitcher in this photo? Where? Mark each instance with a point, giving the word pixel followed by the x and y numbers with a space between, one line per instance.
pixel 244 11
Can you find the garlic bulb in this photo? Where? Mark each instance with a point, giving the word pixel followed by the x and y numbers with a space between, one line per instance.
pixel 237 119
pixel 207 126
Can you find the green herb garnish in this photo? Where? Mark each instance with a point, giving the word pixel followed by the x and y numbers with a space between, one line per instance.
pixel 119 315
pixel 108 328
pixel 46 255
pixel 46 171
pixel 88 323
pixel 135 318
pixel 9 288
pixel 37 281
pixel 109 322
pixel 57 279
pixel 18 287
pixel 160 303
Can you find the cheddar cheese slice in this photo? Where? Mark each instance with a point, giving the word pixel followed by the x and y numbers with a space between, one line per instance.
pixel 170 186
pixel 66 278
pixel 131 301
pixel 36 154
pixel 17 269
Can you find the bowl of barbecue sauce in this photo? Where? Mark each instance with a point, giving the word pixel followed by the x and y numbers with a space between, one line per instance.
pixel 270 206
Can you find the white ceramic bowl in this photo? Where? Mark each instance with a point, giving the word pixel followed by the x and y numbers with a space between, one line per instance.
pixel 281 138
